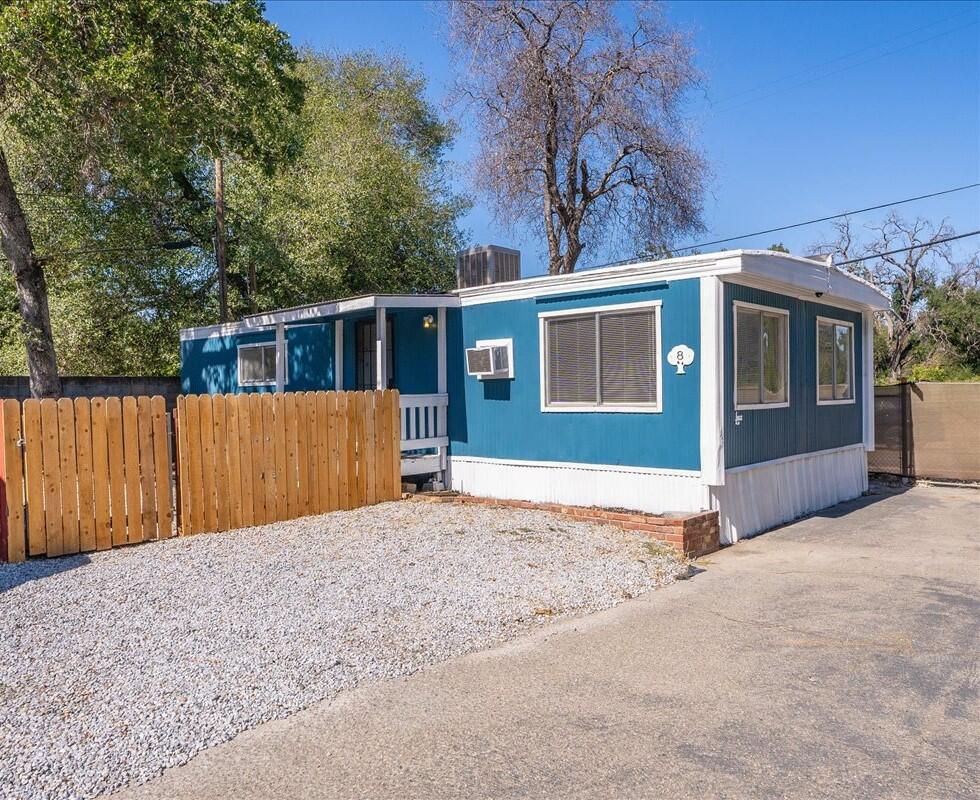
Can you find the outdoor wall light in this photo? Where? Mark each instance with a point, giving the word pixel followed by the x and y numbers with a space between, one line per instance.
pixel 428 321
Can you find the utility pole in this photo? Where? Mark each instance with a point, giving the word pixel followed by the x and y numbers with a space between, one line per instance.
pixel 219 238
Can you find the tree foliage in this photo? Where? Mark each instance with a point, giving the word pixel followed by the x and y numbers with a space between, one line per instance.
pixel 933 317
pixel 107 104
pixel 582 136
pixel 366 206
pixel 361 205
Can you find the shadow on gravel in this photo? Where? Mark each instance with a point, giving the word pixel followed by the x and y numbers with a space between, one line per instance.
pixel 13 575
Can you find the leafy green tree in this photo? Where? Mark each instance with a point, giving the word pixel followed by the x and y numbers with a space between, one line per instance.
pixel 779 247
pixel 114 104
pixel 365 207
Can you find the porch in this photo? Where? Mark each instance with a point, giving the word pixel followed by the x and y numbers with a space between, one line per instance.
pixel 358 343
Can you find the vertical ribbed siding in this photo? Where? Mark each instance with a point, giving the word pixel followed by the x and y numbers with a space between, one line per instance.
pixel 803 427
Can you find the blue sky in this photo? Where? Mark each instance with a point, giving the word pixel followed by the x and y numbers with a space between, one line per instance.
pixel 808 109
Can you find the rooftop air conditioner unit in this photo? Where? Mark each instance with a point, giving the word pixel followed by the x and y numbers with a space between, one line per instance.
pixel 486 264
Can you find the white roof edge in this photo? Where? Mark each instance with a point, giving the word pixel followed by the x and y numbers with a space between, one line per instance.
pixel 790 271
pixel 260 322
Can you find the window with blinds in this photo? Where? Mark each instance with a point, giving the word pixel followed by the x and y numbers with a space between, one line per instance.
pixel 835 357
pixel 602 359
pixel 761 357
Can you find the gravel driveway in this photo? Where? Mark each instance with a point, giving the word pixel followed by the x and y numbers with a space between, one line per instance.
pixel 116 665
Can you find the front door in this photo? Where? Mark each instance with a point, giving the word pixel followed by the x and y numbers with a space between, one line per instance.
pixel 365 350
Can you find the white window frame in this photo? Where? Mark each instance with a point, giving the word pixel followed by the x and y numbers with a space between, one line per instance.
pixel 598 408
pixel 771 310
pixel 853 397
pixel 263 383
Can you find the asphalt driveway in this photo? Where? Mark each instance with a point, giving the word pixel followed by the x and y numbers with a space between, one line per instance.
pixel 835 657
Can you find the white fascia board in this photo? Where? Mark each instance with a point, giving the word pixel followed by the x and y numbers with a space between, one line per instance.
pixel 331 309
pixel 605 278
pixel 417 301
pixel 836 287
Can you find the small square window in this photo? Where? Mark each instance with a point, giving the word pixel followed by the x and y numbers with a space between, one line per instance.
pixel 257 365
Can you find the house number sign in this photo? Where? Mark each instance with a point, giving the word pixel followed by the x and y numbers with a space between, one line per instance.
pixel 680 357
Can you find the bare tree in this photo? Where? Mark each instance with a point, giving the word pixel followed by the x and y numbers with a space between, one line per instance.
pixel 906 277
pixel 580 120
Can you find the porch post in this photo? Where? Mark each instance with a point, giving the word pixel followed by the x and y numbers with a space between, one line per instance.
pixel 280 357
pixel 441 336
pixel 381 347
pixel 338 354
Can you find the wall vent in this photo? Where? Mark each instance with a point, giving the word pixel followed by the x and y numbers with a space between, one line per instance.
pixel 486 264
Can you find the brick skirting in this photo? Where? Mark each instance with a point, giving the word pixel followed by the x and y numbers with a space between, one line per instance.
pixel 693 534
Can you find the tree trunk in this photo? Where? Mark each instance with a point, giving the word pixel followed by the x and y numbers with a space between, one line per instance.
pixel 32 291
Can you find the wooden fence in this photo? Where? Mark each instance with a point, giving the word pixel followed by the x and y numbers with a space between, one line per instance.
pixel 84 474
pixel 251 459
pixel 90 474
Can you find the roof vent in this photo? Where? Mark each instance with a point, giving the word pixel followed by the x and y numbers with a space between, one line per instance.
pixel 486 264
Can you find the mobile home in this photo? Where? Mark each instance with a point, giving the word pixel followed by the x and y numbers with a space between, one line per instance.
pixel 740 381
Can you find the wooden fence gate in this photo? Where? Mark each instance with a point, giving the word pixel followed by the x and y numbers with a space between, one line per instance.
pixel 84 474
pixel 91 474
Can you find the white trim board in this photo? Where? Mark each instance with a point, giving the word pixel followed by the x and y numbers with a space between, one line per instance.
pixel 333 308
pixel 712 357
pixel 654 491
pixel 787 274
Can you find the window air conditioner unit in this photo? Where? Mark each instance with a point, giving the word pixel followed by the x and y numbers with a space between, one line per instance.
pixel 490 359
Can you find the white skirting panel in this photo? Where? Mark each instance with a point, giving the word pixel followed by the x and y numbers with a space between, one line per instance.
pixel 655 491
pixel 758 497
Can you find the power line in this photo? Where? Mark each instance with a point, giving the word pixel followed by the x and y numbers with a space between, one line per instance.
pixel 906 249
pixel 827 219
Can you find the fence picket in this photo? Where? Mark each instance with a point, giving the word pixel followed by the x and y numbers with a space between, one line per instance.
pixel 34 478
pixel 234 462
pixel 100 474
pixel 131 457
pixel 383 433
pixel 13 474
pixel 195 496
pixel 245 458
pixel 369 455
pixel 306 496
pixel 68 474
pixel 223 501
pixel 395 452
pixel 51 475
pixel 144 425
pixel 291 459
pixel 86 480
pixel 161 467
pixel 328 456
pixel 117 470
pixel 260 516
pixel 279 454
pixel 206 411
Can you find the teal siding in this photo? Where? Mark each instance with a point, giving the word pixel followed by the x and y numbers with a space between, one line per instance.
pixel 503 418
pixel 803 427
pixel 210 366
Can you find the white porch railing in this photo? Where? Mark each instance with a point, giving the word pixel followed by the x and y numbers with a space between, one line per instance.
pixel 424 423
pixel 424 427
